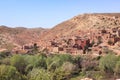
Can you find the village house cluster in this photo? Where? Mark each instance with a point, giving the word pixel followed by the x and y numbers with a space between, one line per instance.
pixel 94 41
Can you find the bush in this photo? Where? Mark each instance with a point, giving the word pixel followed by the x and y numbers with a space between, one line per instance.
pixel 5 61
pixel 53 63
pixel 77 60
pixel 99 40
pixel 59 67
pixel 108 63
pixel 89 64
pixel 65 72
pixel 33 61
pixel 65 57
pixel 117 68
pixel 59 74
pixel 56 61
pixel 39 74
pixel 69 67
pixel 30 61
pixel 10 73
pixel 40 61
pixel 110 42
pixel 4 54
pixel 36 60
pixel 19 62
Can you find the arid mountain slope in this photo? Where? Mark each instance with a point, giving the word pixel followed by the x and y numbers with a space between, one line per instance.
pixel 85 25
pixel 11 37
pixel 84 22
pixel 96 31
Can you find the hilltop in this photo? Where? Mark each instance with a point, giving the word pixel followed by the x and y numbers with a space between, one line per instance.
pixel 84 22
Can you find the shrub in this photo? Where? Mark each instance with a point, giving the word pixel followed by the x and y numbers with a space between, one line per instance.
pixel 35 61
pixel 56 61
pixel 89 64
pixel 108 63
pixel 65 57
pixel 19 62
pixel 53 63
pixel 39 74
pixel 65 72
pixel 110 42
pixel 40 61
pixel 4 54
pixel 68 67
pixel 59 74
pixel 77 60
pixel 99 40
pixel 10 73
pixel 117 68
pixel 5 61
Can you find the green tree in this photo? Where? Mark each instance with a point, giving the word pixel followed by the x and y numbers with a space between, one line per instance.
pixel 53 62
pixel 35 49
pixel 10 73
pixel 19 62
pixel 108 63
pixel 35 61
pixel 39 74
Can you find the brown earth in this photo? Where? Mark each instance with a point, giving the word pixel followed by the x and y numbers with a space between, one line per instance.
pixel 16 37
pixel 83 25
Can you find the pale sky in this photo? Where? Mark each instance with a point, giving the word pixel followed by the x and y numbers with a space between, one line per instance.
pixel 48 13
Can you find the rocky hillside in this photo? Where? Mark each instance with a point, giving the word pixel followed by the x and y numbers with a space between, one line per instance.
pixel 84 22
pixel 12 37
pixel 102 28
pixel 99 32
